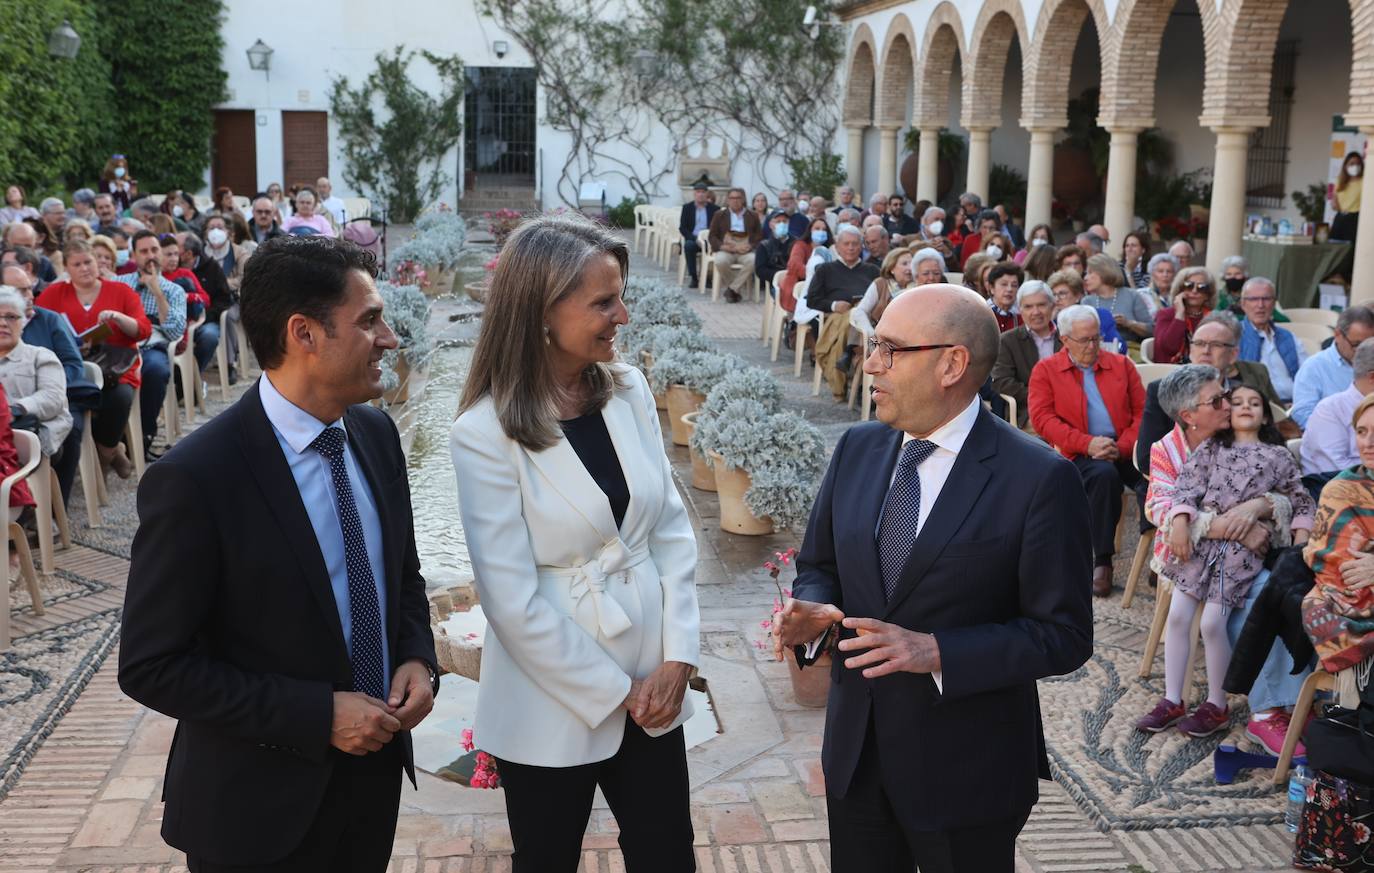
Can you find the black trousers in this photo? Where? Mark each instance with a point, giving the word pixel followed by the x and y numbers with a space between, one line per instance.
pixel 64 463
pixel 355 826
pixel 690 250
pixel 868 835
pixel 1104 481
pixel 109 421
pixel 645 783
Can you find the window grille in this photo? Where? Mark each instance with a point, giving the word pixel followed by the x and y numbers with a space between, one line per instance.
pixel 499 121
pixel 1266 167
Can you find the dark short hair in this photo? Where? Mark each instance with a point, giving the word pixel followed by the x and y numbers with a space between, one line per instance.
pixel 142 235
pixel 25 255
pixel 288 275
pixel 1001 270
pixel 1361 315
pixel 989 215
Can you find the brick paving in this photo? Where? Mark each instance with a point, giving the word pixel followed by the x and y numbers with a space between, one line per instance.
pixel 89 800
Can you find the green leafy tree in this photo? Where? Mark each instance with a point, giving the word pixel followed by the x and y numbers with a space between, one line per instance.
pixel 165 67
pixel 395 154
pixel 820 174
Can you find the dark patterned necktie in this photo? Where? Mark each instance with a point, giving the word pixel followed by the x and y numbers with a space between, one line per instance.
pixel 902 514
pixel 365 638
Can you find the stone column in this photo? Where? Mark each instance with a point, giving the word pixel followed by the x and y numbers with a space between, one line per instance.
pixel 855 161
pixel 1040 177
pixel 1362 282
pixel 928 167
pixel 1121 169
pixel 1227 221
pixel 887 159
pixel 979 161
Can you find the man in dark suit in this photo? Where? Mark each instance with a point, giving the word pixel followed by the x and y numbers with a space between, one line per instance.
pixel 696 217
pixel 290 637
pixel 954 552
pixel 1023 347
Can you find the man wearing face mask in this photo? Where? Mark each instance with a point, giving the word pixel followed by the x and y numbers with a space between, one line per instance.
pixel 231 258
pixel 121 244
pixel 933 232
pixel 771 256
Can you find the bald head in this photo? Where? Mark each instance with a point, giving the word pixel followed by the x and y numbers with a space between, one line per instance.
pixel 21 234
pixel 944 313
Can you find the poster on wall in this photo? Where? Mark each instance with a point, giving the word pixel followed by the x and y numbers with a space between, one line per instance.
pixel 1344 140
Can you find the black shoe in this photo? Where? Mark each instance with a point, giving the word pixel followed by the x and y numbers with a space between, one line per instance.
pixel 789 336
pixel 732 295
pixel 693 281
pixel 233 375
pixel 149 455
pixel 846 360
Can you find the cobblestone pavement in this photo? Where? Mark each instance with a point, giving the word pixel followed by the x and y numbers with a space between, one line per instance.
pixel 89 800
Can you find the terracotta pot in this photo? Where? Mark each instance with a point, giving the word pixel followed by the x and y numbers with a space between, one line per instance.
pixel 680 402
pixel 910 173
pixel 440 281
pixel 703 477
pixel 810 687
pixel 1075 177
pixel 735 516
pixel 660 398
pixel 477 291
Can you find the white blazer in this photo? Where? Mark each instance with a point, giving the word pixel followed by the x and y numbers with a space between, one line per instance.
pixel 576 607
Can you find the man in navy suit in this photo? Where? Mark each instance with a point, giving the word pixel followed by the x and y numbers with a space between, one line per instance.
pixel 953 552
pixel 696 217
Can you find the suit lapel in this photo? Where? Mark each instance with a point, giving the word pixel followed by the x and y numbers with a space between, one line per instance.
pixel 378 481
pixel 565 472
pixel 283 500
pixel 960 492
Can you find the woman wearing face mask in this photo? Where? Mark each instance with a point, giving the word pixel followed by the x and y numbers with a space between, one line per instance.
pixel 998 247
pixel 116 181
pixel 817 236
pixel 1235 272
pixel 1041 237
pixel 1345 197
pixel 173 207
pixel 1135 254
pixel 1105 286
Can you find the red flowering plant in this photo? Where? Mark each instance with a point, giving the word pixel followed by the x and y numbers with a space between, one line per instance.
pixel 410 273
pixel 501 222
pixel 774 568
pixel 475 769
pixel 1174 228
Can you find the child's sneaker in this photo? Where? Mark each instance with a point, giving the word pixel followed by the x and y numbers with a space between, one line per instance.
pixel 1165 713
pixel 1206 720
pixel 1270 732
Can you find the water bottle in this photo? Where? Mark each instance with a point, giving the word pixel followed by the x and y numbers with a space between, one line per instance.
pixel 1297 796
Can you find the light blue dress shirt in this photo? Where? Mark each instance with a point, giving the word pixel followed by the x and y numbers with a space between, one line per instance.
pixel 296 429
pixel 1099 419
pixel 1321 375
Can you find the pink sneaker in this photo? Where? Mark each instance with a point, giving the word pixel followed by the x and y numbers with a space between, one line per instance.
pixel 1206 720
pixel 1270 732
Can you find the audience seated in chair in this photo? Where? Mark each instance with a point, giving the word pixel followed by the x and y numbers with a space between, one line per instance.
pixel 1328 372
pixel 1329 444
pixel 1025 346
pixel 735 233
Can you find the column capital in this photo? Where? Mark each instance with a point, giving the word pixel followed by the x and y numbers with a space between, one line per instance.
pixel 1238 124
pixel 1125 130
pixel 1136 123
pixel 984 129
pixel 1055 123
pixel 860 126
pixel 888 126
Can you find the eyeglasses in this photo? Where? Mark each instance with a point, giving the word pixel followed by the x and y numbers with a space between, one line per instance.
pixel 888 349
pixel 10 317
pixel 1086 341
pixel 1257 300
pixel 1212 345
pixel 1196 286
pixel 1216 402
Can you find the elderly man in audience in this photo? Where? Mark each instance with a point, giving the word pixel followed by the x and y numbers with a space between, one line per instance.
pixel 848 216
pixel 1090 243
pixel 330 205
pixel 799 225
pixel 1215 343
pixel 835 288
pixel 988 224
pixel 30 261
pixel 693 219
pixel 1023 347
pixel 143 209
pixel 1264 341
pixel 1196 399
pixel 1329 372
pixel 897 222
pixel 1183 253
pixel 772 254
pixel 877 205
pixel 735 232
pixel 876 242
pixel 33 378
pixel 1087 403
pixel 966 222
pixel 1328 442
pixel 264 224
pixel 846 200
pixel 23 235
pixel 164 303
pixel 54 215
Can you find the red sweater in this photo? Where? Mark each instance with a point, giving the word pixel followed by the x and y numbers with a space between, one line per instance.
pixel 61 297
pixel 9 455
pixel 197 296
pixel 1059 406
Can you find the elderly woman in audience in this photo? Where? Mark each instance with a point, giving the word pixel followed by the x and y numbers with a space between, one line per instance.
pixel 1159 280
pixel 1135 255
pixel 1183 253
pixel 1194 294
pixel 306 216
pixel 1071 257
pixel 14 208
pixel 1106 288
pixel 1197 399
pixel 1066 286
pixel 78 229
pixel 1235 272
pixel 87 301
pixel 106 255
pixel 1001 282
pixel 1087 403
pixel 975 271
pixel 32 377
pixel 895 276
pixel 1025 346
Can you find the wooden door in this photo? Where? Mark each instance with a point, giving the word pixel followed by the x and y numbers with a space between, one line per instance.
pixel 234 158
pixel 305 147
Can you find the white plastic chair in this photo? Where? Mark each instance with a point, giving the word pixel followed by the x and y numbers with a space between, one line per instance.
pixel 1326 317
pixel 641 226
pixel 185 368
pixel 29 455
pixel 1154 372
pixel 48 506
pixel 222 353
pixel 1147 350
pixel 92 483
pixel 1311 335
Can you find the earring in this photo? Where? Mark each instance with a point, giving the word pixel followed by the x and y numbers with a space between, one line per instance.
pixel 546 334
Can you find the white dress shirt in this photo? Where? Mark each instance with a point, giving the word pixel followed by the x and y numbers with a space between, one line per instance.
pixel 1328 441
pixel 1274 363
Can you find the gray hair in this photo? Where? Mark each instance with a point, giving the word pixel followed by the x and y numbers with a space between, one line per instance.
pixel 1092 240
pixel 83 195
pixel 191 243
pixel 1255 282
pixel 845 228
pixel 930 209
pixel 849 211
pixel 131 225
pixel 989 215
pixel 970 197
pixel 1160 258
pixel 1027 289
pixel 1223 318
pixel 881 230
pixel 1363 361
pixel 927 254
pixel 877 198
pixel 1236 261
pixel 1185 244
pixel 143 204
pixel 52 204
pixel 845 189
pixel 1361 315
pixel 1073 315
pixel 1178 390
pixel 10 296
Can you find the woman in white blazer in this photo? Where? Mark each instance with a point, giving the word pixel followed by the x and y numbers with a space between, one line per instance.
pixel 583 555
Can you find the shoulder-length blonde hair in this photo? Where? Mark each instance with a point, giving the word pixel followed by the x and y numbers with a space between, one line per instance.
pixel 541 263
pixel 1188 273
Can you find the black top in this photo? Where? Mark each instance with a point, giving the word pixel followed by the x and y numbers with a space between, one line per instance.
pixel 592 442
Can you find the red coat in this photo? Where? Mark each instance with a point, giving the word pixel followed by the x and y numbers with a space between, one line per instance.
pixel 61 297
pixel 9 455
pixel 796 272
pixel 1059 407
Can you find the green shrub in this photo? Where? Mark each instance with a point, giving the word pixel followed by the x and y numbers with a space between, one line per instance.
pixel 820 174
pixel 623 215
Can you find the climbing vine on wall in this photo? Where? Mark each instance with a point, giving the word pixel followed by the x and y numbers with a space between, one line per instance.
pixel 742 71
pixel 395 134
